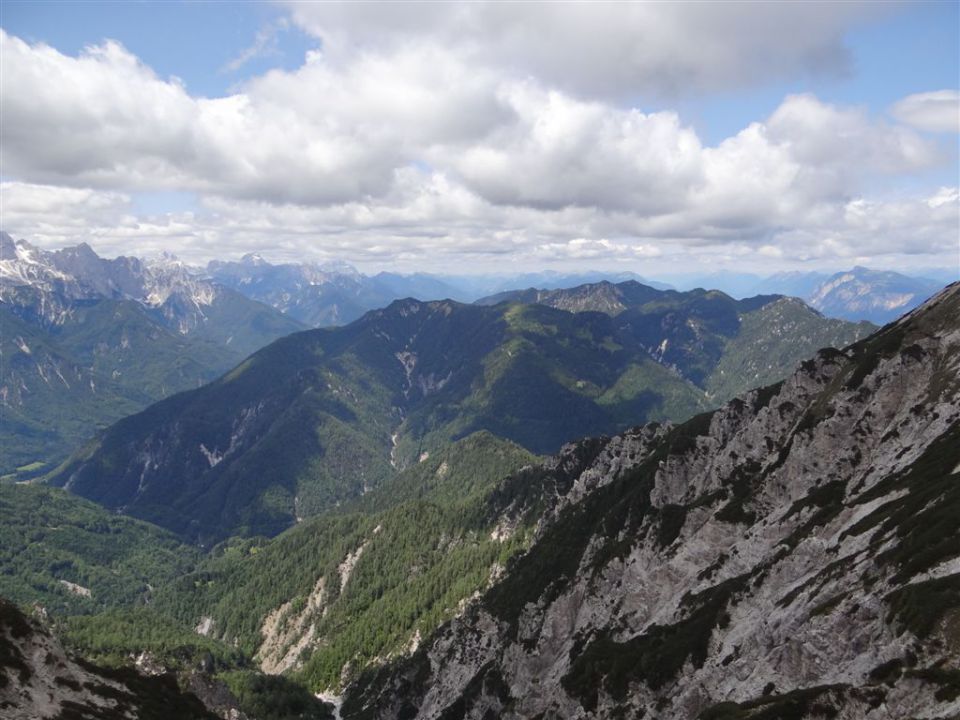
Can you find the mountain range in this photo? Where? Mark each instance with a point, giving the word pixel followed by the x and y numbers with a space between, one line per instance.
pixel 89 340
pixel 319 417
pixel 336 293
pixel 86 341
pixel 323 295
pixel 604 500
pixel 791 554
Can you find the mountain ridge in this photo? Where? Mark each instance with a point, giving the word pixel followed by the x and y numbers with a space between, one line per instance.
pixel 320 416
pixel 732 566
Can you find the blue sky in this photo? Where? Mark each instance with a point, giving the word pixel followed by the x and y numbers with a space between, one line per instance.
pixel 193 41
pixel 508 72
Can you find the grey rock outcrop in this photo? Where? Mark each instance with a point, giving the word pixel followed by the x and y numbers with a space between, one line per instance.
pixel 39 679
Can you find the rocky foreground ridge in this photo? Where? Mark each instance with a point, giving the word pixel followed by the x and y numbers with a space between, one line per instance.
pixel 795 553
pixel 39 679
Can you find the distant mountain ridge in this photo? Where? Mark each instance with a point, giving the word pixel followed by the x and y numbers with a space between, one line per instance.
pixel 325 294
pixel 769 335
pixel 43 286
pixel 336 293
pixel 604 296
pixel 878 296
pixel 319 417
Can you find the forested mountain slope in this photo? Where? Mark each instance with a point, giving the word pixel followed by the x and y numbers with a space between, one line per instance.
pixel 340 591
pixel 723 345
pixel 73 556
pixel 322 416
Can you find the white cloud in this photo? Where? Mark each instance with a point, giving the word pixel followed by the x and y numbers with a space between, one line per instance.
pixel 44 209
pixel 589 249
pixel 314 136
pixel 932 111
pixel 555 151
pixel 606 49
pixel 382 151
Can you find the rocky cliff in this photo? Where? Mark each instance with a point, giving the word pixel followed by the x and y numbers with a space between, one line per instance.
pixel 795 553
pixel 38 679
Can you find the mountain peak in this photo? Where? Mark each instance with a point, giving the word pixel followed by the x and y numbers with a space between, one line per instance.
pixel 81 249
pixel 875 295
pixel 166 259
pixel 8 246
pixel 253 259
pixel 339 267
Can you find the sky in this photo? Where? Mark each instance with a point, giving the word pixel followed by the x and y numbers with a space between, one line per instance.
pixel 477 137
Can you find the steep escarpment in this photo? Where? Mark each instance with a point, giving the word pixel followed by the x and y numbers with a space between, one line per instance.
pixel 792 554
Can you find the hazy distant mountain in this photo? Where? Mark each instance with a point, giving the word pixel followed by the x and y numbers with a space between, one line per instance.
pixel 336 293
pixel 864 294
pixel 857 294
pixel 795 284
pixel 551 280
pixel 322 416
pixel 86 341
pixel 323 295
pixel 736 284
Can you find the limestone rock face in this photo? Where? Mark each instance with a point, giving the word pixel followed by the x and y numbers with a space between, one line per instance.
pixel 38 679
pixel 795 553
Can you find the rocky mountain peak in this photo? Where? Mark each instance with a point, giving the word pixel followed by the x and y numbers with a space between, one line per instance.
pixel 44 284
pixel 8 246
pixel 253 259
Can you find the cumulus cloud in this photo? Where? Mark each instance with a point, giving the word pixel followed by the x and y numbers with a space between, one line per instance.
pixel 554 151
pixel 607 49
pixel 64 211
pixel 932 111
pixel 864 228
pixel 318 135
pixel 589 249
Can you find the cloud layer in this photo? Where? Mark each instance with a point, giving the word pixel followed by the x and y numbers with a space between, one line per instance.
pixel 479 132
